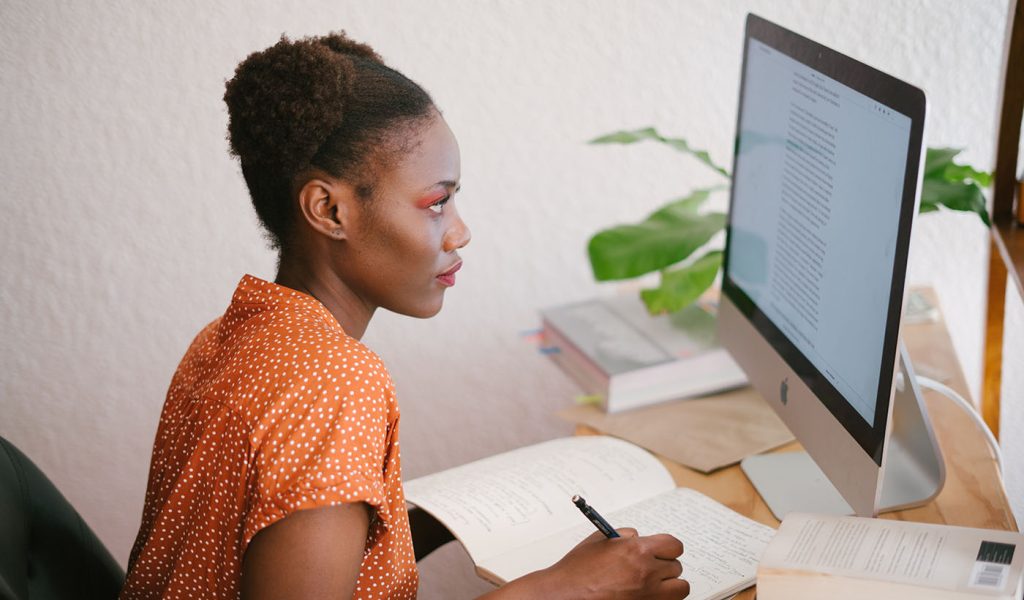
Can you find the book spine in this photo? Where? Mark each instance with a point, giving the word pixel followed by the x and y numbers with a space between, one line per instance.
pixel 574 363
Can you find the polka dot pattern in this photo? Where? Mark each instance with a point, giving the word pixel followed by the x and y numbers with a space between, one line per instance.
pixel 273 409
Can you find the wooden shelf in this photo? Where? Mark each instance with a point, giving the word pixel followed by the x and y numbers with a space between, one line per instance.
pixel 1006 258
pixel 1009 238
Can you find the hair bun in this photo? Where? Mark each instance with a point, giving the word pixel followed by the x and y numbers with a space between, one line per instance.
pixel 342 44
pixel 325 101
pixel 286 100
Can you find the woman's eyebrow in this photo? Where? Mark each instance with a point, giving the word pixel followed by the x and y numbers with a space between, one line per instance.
pixel 448 184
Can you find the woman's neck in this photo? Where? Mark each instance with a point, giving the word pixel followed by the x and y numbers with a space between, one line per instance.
pixel 351 312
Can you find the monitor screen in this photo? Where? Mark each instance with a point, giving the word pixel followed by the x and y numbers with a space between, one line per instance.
pixel 818 225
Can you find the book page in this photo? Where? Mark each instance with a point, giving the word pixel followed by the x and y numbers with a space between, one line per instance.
pixel 722 547
pixel 509 500
pixel 981 561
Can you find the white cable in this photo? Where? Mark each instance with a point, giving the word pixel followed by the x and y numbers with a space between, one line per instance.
pixel 954 396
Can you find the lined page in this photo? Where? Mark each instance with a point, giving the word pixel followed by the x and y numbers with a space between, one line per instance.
pixel 722 547
pixel 512 499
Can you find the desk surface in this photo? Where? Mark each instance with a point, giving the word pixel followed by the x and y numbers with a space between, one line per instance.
pixel 973 495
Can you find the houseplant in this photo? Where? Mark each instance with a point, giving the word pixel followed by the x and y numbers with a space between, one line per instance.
pixel 667 239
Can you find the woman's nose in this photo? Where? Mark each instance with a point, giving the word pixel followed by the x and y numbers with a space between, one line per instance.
pixel 457 236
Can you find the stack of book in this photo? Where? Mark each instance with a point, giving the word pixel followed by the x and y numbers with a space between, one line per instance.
pixel 614 349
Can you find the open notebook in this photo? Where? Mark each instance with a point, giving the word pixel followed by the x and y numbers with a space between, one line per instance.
pixel 513 512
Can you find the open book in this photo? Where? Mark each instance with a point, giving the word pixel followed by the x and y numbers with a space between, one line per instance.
pixel 513 512
pixel 847 558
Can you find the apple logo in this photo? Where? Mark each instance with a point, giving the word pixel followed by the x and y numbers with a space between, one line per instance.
pixel 784 391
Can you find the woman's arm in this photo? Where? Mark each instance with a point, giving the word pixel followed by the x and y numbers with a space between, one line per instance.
pixel 317 553
pixel 428 534
pixel 599 568
pixel 313 553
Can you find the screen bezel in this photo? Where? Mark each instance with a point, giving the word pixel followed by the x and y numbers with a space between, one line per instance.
pixel 901 97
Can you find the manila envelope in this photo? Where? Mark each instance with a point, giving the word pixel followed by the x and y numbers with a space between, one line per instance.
pixel 702 433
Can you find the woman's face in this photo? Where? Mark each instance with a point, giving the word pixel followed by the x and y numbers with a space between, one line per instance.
pixel 402 246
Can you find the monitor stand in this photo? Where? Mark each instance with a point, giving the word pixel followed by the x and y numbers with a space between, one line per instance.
pixel 913 469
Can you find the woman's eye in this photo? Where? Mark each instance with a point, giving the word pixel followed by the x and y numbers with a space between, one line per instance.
pixel 438 207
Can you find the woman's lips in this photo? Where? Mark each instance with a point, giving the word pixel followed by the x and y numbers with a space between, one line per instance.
pixel 448 277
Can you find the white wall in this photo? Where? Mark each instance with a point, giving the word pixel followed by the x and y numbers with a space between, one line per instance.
pixel 125 225
pixel 1012 413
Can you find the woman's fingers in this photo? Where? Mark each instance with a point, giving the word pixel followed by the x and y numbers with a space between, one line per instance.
pixel 670 570
pixel 664 546
pixel 675 589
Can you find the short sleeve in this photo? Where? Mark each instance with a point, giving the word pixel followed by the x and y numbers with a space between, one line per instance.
pixel 323 443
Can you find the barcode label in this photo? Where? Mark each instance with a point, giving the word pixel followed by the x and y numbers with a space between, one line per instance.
pixel 996 552
pixel 988 575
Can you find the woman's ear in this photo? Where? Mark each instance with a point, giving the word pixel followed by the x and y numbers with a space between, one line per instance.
pixel 326 204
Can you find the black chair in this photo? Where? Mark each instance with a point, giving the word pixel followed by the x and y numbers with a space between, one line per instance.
pixel 46 549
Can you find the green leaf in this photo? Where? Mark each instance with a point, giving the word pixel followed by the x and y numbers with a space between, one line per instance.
pixel 650 133
pixel 664 238
pixel 938 164
pixel 701 155
pixel 963 173
pixel 626 137
pixel 953 186
pixel 680 287
pixel 681 208
pixel 955 196
pixel 937 159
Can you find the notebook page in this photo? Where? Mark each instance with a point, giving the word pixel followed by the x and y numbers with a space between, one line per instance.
pixel 722 547
pixel 506 501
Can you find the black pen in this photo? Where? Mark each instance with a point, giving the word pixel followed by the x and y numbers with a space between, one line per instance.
pixel 595 518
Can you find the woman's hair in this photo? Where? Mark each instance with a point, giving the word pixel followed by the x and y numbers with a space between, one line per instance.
pixel 320 102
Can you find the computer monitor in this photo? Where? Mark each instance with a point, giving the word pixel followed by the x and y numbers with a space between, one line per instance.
pixel 825 187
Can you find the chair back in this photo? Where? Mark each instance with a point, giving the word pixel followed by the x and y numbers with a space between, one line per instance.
pixel 46 549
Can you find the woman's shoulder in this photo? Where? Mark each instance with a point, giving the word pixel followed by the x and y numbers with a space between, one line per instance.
pixel 289 367
pixel 312 348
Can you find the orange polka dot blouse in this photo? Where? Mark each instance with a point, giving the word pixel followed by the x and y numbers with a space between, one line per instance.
pixel 273 409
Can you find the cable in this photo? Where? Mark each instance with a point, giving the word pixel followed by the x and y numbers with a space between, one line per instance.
pixel 950 393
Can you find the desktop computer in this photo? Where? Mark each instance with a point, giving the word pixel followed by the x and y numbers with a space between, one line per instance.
pixel 826 178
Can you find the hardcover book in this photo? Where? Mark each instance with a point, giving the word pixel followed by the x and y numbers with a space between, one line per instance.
pixel 614 349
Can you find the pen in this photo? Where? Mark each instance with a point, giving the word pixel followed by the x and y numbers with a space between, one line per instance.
pixel 595 518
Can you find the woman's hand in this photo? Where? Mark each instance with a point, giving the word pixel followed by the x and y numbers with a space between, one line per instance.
pixel 598 568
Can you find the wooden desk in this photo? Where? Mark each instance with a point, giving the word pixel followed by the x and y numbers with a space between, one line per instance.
pixel 973 495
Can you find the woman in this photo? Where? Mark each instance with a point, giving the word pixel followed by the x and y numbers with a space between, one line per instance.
pixel 276 471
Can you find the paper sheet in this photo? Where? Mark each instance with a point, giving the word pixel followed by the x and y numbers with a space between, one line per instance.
pixel 702 433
